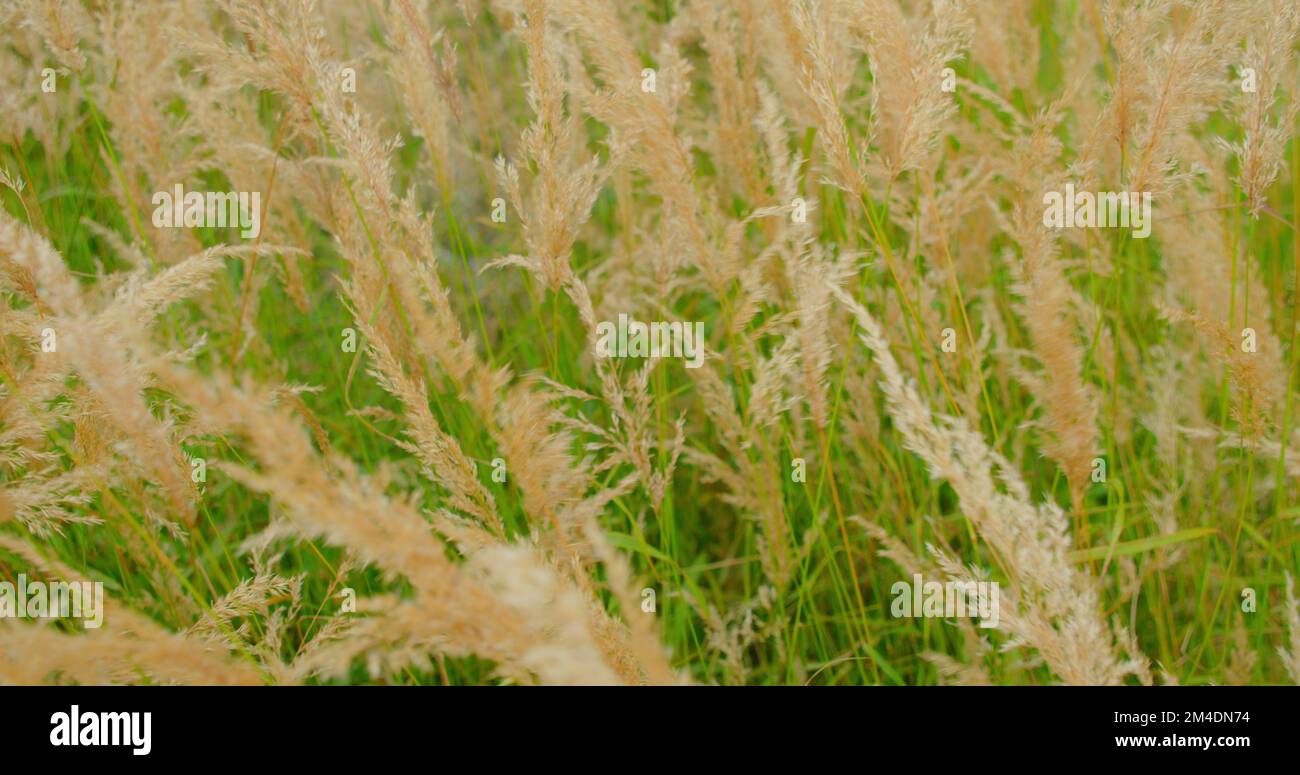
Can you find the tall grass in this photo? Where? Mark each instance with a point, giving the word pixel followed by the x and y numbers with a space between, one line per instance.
pixel 380 441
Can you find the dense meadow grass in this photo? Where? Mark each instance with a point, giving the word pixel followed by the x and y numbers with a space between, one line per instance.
pixel 907 371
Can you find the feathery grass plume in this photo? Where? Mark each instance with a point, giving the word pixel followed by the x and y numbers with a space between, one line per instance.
pixel 1005 44
pixel 36 654
pixel 427 81
pixel 61 24
pixel 441 455
pixel 563 191
pixel 957 673
pixel 1246 373
pixel 100 354
pixel 280 43
pixel 745 462
pixel 1241 664
pixel 20 108
pixel 102 349
pixel 732 633
pixel 1184 81
pixel 810 275
pixel 644 125
pixel 539 457
pixel 152 148
pixel 1286 454
pixel 33 266
pixel 124 649
pixel 734 77
pixel 554 486
pixel 1270 55
pixel 1130 28
pixel 558 204
pixel 45 503
pixel 967 671
pixel 907 58
pixel 1291 657
pixel 250 596
pixel 824 80
pixel 629 439
pixel 13 182
pixel 381 224
pixel 370 217
pixel 455 610
pixel 1047 297
pixel 1228 293
pixel 1053 606
pixel 1221 301
pixel 784 167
